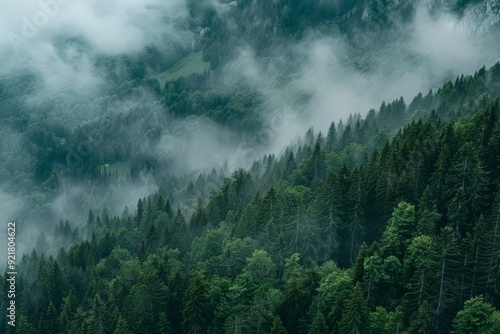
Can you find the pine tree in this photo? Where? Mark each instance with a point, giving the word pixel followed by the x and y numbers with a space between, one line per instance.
pixel 419 271
pixel 152 239
pixel 198 219
pixel 353 224
pixel 165 327
pixel 467 187
pixel 57 286
pixel 458 213
pixel 295 294
pixel 385 187
pixel 492 157
pixel 493 253
pixel 424 322
pixel 142 251
pixel 100 319
pixel 478 258
pixel 372 277
pixel 356 314
pixel 445 262
pixel 68 311
pixel 195 315
pixel 318 325
pixel 277 326
pixel 122 326
pixel 346 137
pixel 427 214
pixel 48 322
pixel 23 326
pixel 301 229
pixel 439 177
pixel 290 166
pixel 331 137
pixel 236 324
pixel 315 167
pixel 91 221
pixel 140 212
pixel 326 211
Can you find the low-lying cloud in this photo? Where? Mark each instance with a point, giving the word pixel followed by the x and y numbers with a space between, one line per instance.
pixel 429 51
pixel 58 39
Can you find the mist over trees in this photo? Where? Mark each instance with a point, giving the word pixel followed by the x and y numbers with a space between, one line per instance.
pixel 338 233
pixel 230 172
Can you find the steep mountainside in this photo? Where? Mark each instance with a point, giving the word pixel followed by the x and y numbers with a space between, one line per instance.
pixel 288 166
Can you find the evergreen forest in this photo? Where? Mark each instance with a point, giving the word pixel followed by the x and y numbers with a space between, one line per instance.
pixel 387 220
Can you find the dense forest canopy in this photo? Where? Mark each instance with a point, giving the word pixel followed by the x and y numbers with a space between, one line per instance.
pixel 255 167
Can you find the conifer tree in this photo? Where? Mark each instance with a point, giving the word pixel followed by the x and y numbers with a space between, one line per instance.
pixel 493 252
pixel 100 319
pixel 195 314
pixel 478 258
pixel 69 309
pixel 331 137
pixel 356 314
pixel 290 165
pixel 446 265
pixel 48 322
pixel 326 210
pixel 353 224
pixel 423 323
pixel 122 326
pixel 165 327
pixel 277 326
pixel 295 294
pixel 23 326
pixel 318 325
pixel 427 214
pixel 419 272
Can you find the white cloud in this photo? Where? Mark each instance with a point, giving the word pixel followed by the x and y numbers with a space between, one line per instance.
pixel 31 33
pixel 429 52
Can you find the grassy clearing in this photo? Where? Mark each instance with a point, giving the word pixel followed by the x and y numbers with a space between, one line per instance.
pixel 122 169
pixel 192 63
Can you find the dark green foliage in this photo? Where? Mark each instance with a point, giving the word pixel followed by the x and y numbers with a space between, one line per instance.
pixel 355 317
pixel 424 321
pixel 195 314
pixel 380 227
pixel 277 327
pixel 474 318
pixel 48 322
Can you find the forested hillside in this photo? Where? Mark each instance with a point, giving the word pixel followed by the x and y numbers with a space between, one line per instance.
pixel 352 230
pixel 229 176
pixel 160 112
